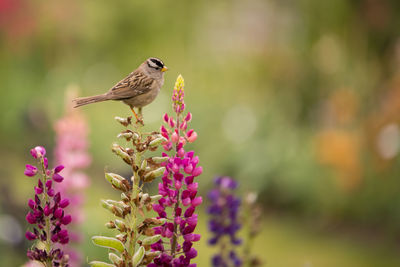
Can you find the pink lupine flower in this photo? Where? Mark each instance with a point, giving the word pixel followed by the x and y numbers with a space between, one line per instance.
pixel 72 150
pixel 178 189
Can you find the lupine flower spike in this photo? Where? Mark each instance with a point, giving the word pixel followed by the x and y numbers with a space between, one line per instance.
pixel 47 215
pixel 72 149
pixel 178 189
pixel 224 224
pixel 252 214
pixel 131 245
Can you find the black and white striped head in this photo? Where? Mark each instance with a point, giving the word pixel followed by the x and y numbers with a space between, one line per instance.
pixel 156 64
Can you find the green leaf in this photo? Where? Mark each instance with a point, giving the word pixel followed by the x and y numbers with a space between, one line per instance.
pixel 108 242
pixel 151 240
pixel 100 264
pixel 138 257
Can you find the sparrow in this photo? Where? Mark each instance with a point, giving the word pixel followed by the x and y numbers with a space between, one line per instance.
pixel 138 89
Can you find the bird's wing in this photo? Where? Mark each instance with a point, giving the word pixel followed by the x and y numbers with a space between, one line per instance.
pixel 135 84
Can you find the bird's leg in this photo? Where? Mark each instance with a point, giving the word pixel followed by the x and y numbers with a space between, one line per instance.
pixel 140 113
pixel 138 119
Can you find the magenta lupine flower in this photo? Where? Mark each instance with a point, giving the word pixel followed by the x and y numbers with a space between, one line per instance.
pixel 224 211
pixel 47 215
pixel 72 150
pixel 178 189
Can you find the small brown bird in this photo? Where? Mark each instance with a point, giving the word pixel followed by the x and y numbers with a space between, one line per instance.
pixel 138 89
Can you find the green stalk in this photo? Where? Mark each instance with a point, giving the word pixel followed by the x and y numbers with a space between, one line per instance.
pixel 47 220
pixel 175 236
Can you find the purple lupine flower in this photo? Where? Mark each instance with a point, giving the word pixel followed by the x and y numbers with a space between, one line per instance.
pixel 72 150
pixel 46 215
pixel 178 189
pixel 223 210
pixel 30 170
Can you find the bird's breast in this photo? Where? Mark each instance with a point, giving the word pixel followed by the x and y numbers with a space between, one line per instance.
pixel 144 99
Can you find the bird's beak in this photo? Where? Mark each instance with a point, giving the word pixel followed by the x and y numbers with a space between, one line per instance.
pixel 164 69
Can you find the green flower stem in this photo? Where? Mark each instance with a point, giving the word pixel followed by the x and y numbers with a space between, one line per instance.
pixel 132 220
pixel 47 220
pixel 175 236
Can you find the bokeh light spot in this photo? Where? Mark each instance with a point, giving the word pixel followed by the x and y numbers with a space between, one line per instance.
pixel 388 141
pixel 239 124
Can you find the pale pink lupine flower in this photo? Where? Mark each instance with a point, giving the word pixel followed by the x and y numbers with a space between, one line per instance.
pixel 72 150
pixel 33 264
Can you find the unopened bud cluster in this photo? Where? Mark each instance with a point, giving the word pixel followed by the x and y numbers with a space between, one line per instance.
pixel 132 245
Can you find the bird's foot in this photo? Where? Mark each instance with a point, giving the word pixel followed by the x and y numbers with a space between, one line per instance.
pixel 139 119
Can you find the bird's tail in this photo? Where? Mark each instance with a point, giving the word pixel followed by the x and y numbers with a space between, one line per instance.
pixel 81 101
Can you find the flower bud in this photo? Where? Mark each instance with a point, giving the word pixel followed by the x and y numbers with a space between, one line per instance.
pixel 188 117
pixel 157 141
pixel 116 180
pixel 166 117
pixel 197 201
pixel 124 197
pixel 124 121
pixel 168 146
pixel 30 236
pixel 31 203
pixel 175 137
pixel 106 205
pixel 181 152
pixel 126 135
pixel 110 225
pixel 197 171
pixel 153 174
pixel 51 192
pixel 30 170
pixel 159 159
pixel 138 257
pixel 143 165
pixel 114 259
pixel 121 225
pixel 151 240
pixel 66 219
pixel 38 190
pixel 58 213
pixel 47 210
pixel 38 152
pixel 64 203
pixel 191 136
pixel 155 198
pixel 121 153
pixel 30 218
pixel 58 168
pixel 46 162
pixel 48 184
pixel 152 254
pixel 183 126
pixel 164 132
pixel 57 178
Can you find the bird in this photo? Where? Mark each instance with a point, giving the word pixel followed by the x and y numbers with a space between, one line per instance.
pixel 138 89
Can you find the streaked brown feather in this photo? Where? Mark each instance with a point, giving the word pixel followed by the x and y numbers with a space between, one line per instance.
pixel 133 85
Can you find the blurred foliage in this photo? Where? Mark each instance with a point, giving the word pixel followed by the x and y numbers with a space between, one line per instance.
pixel 300 100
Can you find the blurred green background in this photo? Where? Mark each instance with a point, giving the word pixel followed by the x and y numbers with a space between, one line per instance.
pixel 298 100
